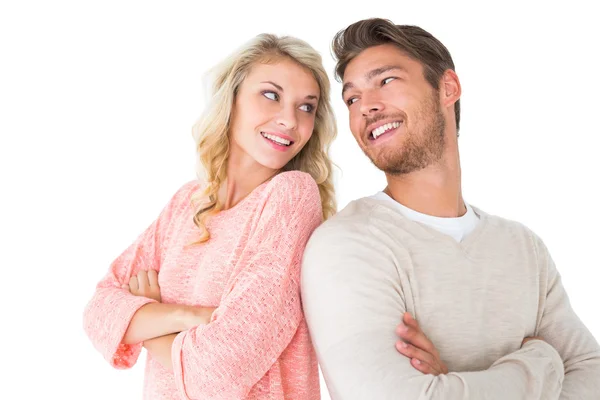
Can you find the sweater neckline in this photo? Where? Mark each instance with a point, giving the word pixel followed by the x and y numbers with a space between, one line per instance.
pixel 428 233
pixel 242 204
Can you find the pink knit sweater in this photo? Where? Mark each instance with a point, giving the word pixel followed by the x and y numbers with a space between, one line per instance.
pixel 257 344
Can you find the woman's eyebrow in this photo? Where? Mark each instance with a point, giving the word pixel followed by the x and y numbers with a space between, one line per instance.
pixel 274 84
pixel 309 97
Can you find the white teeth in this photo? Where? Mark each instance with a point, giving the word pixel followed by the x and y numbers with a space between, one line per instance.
pixel 276 139
pixel 384 128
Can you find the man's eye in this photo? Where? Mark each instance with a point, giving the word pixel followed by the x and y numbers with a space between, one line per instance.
pixel 387 80
pixel 351 100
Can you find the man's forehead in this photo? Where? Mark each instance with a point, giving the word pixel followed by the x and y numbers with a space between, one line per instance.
pixel 371 61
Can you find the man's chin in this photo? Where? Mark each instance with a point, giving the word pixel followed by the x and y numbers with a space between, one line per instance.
pixel 384 166
pixel 396 168
pixel 383 162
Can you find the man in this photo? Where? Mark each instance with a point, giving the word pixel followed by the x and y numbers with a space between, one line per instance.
pixel 484 289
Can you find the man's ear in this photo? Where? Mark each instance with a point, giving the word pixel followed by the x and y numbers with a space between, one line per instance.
pixel 450 89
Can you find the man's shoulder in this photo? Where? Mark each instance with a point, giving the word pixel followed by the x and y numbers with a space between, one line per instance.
pixel 356 212
pixel 345 238
pixel 346 245
pixel 511 228
pixel 354 216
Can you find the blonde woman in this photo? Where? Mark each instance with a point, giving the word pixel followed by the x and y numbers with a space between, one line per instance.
pixel 211 289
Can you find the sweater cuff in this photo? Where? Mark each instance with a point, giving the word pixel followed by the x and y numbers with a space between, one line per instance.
pixel 178 372
pixel 120 355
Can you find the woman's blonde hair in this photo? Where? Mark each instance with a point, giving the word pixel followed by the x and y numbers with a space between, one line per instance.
pixel 211 132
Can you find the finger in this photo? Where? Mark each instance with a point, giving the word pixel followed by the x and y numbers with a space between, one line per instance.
pixel 133 284
pixel 125 286
pixel 416 337
pixel 434 360
pixel 143 280
pixel 412 352
pixel 422 366
pixel 409 320
pixel 153 278
pixel 444 368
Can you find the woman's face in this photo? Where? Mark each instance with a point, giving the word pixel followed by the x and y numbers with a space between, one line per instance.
pixel 273 114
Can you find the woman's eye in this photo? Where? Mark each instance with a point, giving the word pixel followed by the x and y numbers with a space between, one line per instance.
pixel 307 107
pixel 387 80
pixel 271 95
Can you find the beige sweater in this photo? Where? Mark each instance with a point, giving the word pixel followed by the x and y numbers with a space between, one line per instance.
pixel 476 300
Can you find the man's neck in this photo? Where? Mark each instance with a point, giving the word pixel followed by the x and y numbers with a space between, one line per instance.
pixel 435 190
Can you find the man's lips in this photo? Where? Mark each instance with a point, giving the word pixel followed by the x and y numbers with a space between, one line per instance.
pixel 376 130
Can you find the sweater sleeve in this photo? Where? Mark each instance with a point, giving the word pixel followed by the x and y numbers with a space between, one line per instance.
pixel 353 298
pixel 110 310
pixel 562 328
pixel 260 311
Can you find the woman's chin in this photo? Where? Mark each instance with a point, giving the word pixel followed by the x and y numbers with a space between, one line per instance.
pixel 272 163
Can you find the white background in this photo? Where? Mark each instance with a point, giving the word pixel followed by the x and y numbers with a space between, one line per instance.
pixel 97 100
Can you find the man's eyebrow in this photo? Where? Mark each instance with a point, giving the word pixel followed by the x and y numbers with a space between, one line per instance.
pixel 372 74
pixel 347 86
pixel 378 71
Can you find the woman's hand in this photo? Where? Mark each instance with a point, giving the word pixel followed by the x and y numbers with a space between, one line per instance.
pixel 145 284
pixel 198 316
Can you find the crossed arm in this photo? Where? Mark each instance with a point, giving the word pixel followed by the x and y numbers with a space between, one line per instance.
pixel 581 373
pixel 418 348
pixel 258 314
pixel 156 324
pixel 362 298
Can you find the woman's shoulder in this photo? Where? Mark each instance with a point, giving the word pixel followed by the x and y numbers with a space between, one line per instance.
pixel 294 180
pixel 294 190
pixel 189 187
pixel 185 193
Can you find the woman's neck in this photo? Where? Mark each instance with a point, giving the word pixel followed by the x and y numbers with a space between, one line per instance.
pixel 244 175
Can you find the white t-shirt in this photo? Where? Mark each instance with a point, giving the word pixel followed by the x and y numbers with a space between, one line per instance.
pixel 457 228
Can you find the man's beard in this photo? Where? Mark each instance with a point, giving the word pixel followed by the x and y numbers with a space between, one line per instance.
pixel 420 148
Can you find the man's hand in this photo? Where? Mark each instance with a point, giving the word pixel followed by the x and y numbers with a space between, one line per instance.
pixel 145 284
pixel 416 346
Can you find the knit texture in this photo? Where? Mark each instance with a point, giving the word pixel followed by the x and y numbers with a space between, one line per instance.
pixel 256 345
pixel 476 300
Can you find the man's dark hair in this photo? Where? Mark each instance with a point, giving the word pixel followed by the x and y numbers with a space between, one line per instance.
pixel 412 40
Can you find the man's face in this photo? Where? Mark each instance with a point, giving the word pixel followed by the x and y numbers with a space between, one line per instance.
pixel 395 114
